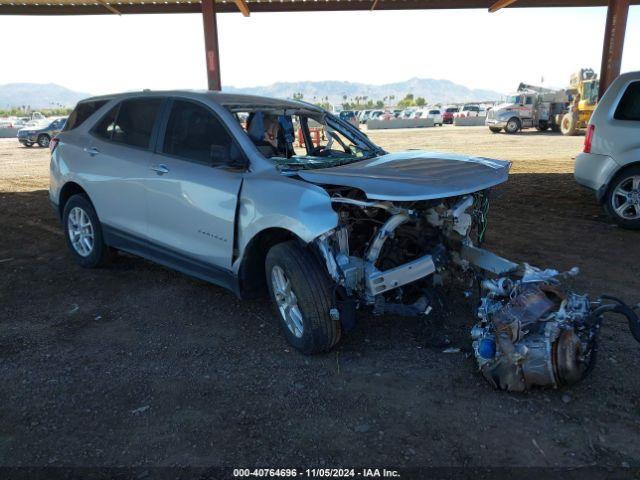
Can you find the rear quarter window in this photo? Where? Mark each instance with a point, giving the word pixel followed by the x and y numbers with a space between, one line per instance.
pixel 629 106
pixel 83 111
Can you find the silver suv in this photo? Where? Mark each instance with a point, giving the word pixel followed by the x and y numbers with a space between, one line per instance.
pixel 256 194
pixel 610 162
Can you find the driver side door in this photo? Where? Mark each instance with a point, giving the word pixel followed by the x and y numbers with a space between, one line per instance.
pixel 192 194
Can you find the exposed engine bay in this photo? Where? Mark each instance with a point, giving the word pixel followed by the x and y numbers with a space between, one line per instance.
pixel 391 257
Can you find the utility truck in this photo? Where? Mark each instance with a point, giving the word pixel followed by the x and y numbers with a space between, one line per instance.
pixel 530 107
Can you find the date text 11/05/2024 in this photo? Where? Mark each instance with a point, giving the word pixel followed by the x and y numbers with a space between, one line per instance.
pixel 316 472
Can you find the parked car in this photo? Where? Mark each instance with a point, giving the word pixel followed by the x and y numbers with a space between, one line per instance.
pixel 407 113
pixel 328 230
pixel 447 115
pixel 375 115
pixel 467 110
pixel 40 132
pixel 433 113
pixel 350 116
pixel 610 161
pixel 364 116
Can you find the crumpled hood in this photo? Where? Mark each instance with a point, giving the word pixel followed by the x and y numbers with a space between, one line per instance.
pixel 414 175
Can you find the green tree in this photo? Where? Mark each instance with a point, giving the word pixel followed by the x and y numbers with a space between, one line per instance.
pixel 407 101
pixel 420 102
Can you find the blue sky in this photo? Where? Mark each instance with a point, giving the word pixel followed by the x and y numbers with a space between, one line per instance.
pixel 108 53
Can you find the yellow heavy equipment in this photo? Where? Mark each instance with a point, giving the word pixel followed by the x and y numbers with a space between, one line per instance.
pixel 583 89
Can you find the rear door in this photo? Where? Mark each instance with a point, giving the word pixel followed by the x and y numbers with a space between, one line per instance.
pixel 625 126
pixel 192 188
pixel 118 155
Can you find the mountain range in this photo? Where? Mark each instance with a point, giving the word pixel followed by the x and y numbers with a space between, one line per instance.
pixel 50 95
pixel 38 95
pixel 434 91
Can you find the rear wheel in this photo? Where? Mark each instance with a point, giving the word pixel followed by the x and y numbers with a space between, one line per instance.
pixel 513 125
pixel 569 124
pixel 495 129
pixel 83 233
pixel 622 202
pixel 43 140
pixel 301 292
pixel 542 127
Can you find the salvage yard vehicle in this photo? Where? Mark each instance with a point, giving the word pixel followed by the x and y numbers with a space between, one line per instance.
pixel 468 110
pixel 41 133
pixel 610 162
pixel 530 107
pixel 447 114
pixel 583 89
pixel 327 230
pixel 349 116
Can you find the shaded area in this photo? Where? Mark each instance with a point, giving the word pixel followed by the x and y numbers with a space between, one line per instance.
pixel 138 365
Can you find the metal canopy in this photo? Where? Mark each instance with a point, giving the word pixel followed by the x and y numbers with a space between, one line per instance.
pixel 98 7
pixel 611 55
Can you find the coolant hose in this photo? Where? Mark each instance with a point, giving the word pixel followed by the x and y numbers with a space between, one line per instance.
pixel 621 308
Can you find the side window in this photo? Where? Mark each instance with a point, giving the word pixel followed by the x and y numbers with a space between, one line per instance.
pixel 629 106
pixel 83 111
pixel 135 121
pixel 529 100
pixel 195 133
pixel 104 128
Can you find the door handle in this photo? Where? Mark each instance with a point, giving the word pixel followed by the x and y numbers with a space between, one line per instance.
pixel 93 151
pixel 160 169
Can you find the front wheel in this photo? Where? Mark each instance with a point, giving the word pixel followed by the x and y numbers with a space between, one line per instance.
pixel 28 144
pixel 622 202
pixel 43 140
pixel 569 124
pixel 513 126
pixel 301 292
pixel 495 129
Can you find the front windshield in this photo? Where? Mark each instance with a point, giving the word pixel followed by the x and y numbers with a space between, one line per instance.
pixel 300 138
pixel 513 99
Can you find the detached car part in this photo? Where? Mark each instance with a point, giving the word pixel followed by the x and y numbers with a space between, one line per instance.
pixel 532 330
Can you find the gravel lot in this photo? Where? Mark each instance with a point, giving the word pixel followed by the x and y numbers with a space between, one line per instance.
pixel 137 365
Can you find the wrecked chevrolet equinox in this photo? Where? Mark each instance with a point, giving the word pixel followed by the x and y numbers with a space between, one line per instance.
pixel 255 193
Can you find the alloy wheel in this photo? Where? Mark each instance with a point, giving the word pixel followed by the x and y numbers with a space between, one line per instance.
pixel 625 199
pixel 80 231
pixel 287 301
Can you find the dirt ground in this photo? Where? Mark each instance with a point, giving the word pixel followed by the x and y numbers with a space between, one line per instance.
pixel 136 365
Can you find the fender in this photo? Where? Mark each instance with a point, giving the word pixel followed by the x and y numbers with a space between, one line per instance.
pixel 271 200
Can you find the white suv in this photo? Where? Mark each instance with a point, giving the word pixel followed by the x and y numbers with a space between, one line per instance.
pixel 610 162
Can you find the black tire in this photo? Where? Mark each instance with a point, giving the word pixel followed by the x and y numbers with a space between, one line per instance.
pixel 513 125
pixel 610 202
pixel 312 290
pixel 28 144
pixel 43 140
pixel 542 127
pixel 99 254
pixel 495 129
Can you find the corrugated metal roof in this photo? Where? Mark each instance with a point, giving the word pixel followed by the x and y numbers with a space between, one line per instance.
pixel 94 7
